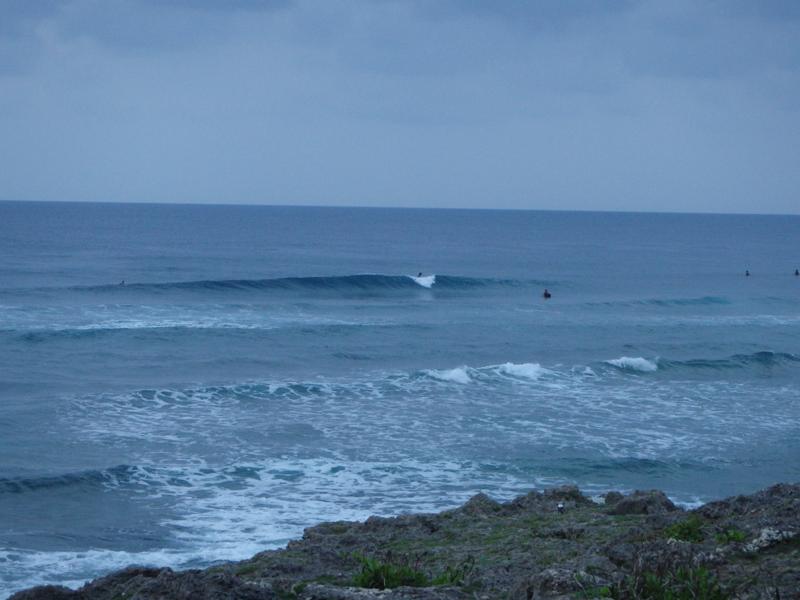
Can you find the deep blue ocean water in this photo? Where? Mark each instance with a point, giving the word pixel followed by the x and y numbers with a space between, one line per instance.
pixel 263 369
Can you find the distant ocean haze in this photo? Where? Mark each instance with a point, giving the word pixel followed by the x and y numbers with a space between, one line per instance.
pixel 266 368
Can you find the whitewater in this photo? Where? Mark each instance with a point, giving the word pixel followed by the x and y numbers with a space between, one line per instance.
pixel 183 385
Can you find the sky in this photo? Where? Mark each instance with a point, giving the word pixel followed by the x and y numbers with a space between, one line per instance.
pixel 557 104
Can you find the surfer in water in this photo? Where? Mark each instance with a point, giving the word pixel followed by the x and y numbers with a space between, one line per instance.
pixel 419 274
pixel 747 273
pixel 797 272
pixel 546 294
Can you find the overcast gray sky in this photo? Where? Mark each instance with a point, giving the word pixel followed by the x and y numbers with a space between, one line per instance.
pixel 562 104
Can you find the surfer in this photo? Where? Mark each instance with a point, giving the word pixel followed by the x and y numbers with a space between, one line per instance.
pixel 747 273
pixel 122 282
pixel 546 294
pixel 797 272
pixel 419 274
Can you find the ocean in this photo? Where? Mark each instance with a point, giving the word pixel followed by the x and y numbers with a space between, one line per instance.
pixel 262 369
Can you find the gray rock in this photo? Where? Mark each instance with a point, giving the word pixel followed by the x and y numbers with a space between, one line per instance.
pixel 46 592
pixel 567 493
pixel 520 549
pixel 328 592
pixel 481 505
pixel 137 583
pixel 652 502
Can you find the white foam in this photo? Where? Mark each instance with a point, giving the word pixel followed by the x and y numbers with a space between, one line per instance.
pixel 425 281
pixel 73 569
pixel 219 514
pixel 525 370
pixel 250 452
pixel 457 375
pixel 179 316
pixel 636 363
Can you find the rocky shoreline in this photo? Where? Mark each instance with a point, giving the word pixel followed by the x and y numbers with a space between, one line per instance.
pixel 555 544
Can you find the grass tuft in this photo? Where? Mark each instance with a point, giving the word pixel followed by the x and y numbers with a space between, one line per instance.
pixel 456 575
pixel 403 571
pixel 731 535
pixel 688 530
pixel 682 584
pixel 387 575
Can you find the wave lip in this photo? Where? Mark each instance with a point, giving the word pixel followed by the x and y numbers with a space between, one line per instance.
pixel 464 375
pixel 112 476
pixel 523 371
pixel 633 363
pixel 702 301
pixel 763 358
pixel 425 281
pixel 766 358
pixel 666 302
pixel 456 375
pixel 356 282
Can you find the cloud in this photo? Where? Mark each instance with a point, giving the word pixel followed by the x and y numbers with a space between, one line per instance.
pixel 623 105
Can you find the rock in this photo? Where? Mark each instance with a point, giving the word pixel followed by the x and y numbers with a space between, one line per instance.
pixel 555 582
pixel 564 533
pixel 480 505
pixel 529 502
pixel 137 583
pixel 622 553
pixel 484 550
pixel 651 502
pixel 567 493
pixel 328 592
pixel 768 537
pixel 47 592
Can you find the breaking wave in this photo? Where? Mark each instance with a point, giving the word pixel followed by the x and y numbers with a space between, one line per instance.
pixel 341 283
pixel 758 360
pixel 737 361
pixel 666 302
pixel 112 476
pixel 464 375
pixel 636 363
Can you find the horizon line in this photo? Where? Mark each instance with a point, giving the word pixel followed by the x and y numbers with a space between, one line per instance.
pixel 394 207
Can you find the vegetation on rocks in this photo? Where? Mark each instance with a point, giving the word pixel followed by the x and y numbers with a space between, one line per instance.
pixel 555 544
pixel 688 530
pixel 388 575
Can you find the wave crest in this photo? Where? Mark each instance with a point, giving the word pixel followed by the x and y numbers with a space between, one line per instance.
pixel 633 363
pixel 738 361
pixel 457 375
pixel 360 282
pixel 114 475
pixel 525 370
pixel 425 281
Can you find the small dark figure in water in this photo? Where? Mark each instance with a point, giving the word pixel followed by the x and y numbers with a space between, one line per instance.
pixel 797 272
pixel 747 273
pixel 419 274
pixel 122 282
pixel 546 294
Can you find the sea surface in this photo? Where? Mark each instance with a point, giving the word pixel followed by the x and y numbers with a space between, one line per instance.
pixel 263 369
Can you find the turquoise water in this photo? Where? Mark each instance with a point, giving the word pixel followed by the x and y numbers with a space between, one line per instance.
pixel 264 368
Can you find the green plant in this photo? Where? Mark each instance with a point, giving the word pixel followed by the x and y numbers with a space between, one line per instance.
pixel 247 569
pixel 387 575
pixel 681 584
pixel 596 592
pixel 731 535
pixel 456 575
pixel 684 584
pixel 688 530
